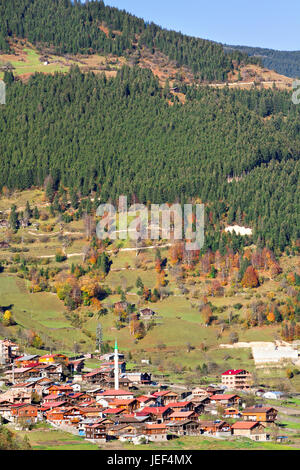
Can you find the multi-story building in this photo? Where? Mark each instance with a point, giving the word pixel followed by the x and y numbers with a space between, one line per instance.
pixel 239 379
pixel 8 350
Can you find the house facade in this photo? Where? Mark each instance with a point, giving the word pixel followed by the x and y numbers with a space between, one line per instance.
pixel 237 379
pixel 255 431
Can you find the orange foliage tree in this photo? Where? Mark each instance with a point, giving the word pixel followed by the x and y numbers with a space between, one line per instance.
pixel 250 278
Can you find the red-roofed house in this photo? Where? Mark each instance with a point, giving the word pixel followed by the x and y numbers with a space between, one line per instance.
pixel 156 431
pixel 64 415
pixel 239 379
pixel 113 394
pixel 128 405
pixel 183 416
pixel 113 411
pixel 187 406
pixel 24 412
pixel 225 399
pixel 165 397
pixel 159 413
pixel 255 431
pixel 145 400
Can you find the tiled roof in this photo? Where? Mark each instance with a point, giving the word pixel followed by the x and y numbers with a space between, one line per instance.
pixel 222 397
pixel 156 410
pixel 258 409
pixel 233 371
pixel 244 425
pixel 114 393
pixel 156 426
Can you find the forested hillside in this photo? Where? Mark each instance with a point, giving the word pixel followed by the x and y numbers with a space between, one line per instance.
pixel 284 62
pixel 75 28
pixel 121 136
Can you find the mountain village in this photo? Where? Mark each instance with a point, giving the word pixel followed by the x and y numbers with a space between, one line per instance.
pixel 109 403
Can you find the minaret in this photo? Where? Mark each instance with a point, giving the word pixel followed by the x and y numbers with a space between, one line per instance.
pixel 116 367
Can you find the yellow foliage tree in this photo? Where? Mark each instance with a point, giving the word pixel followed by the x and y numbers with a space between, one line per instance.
pixel 7 318
pixel 271 317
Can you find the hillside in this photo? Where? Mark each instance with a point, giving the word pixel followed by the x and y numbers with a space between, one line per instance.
pixel 59 131
pixel 65 27
pixel 200 302
pixel 283 62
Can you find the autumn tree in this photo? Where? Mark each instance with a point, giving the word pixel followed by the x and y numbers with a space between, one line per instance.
pixel 250 278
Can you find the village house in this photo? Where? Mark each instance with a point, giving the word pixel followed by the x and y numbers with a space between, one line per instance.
pixel 128 405
pixel 187 406
pixel 206 392
pixel 120 307
pixel 8 351
pixel 91 411
pixel 76 365
pixel 5 410
pixel 132 418
pixel 114 394
pixel 96 432
pixel 237 379
pixel 122 429
pixel 79 397
pixel 96 376
pixel 16 396
pixel 51 371
pixel 26 412
pixel 183 416
pixel 54 358
pixel 54 398
pixel 123 382
pixel 90 421
pixel 113 412
pixel 253 430
pixel 21 374
pixel 225 399
pixel 186 427
pixel 158 413
pixel 39 384
pixel 263 414
pixel 55 389
pixel 110 365
pixel 232 412
pixel 104 375
pixel 139 378
pixel 165 397
pixel 147 314
pixel 27 361
pixel 215 427
pixel 110 357
pixel 156 431
pixel 145 400
pixel 201 401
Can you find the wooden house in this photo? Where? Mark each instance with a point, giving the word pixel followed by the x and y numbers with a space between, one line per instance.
pixel 183 416
pixel 225 399
pixel 165 397
pixel 156 431
pixel 262 414
pixel 96 432
pixel 26 412
pixel 187 427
